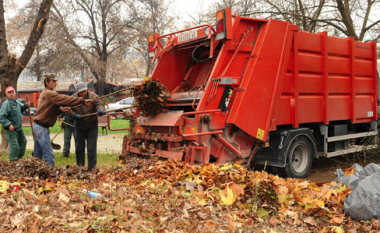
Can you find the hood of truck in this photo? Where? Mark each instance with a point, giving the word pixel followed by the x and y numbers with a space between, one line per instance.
pixel 162 119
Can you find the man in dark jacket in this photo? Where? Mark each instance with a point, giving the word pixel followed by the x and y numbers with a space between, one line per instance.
pixel 86 127
pixel 11 119
pixel 49 103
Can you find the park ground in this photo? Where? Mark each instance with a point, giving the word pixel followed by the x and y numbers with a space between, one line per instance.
pixel 151 195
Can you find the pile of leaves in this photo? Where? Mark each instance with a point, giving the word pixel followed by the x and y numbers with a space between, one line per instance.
pixel 247 190
pixel 28 167
pixel 171 196
pixel 150 97
pixel 36 168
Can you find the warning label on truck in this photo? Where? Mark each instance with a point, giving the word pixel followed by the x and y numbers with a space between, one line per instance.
pixel 260 134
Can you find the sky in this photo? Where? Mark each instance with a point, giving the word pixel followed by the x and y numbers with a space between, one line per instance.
pixel 185 8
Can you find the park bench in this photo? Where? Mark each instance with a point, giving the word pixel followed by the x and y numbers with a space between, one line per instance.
pixel 103 122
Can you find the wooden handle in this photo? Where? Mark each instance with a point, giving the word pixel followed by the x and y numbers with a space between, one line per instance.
pixel 56 135
pixel 104 96
pixel 113 110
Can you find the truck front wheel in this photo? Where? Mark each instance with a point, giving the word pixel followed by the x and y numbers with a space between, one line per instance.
pixel 299 158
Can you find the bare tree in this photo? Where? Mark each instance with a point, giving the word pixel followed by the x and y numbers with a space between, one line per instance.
pixel 18 34
pixel 303 13
pixel 95 29
pixel 154 18
pixel 356 18
pixel 11 66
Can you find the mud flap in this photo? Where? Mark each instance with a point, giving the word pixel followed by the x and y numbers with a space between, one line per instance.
pixel 275 154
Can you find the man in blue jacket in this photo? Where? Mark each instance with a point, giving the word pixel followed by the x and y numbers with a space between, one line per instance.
pixel 11 119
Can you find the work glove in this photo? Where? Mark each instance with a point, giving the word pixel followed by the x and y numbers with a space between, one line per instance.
pixel 62 124
pixel 77 116
pixel 100 112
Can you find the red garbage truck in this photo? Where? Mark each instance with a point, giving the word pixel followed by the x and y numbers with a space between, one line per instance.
pixel 259 91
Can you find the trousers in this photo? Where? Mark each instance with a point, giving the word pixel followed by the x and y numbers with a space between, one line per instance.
pixel 17 144
pixel 42 144
pixel 91 136
pixel 69 131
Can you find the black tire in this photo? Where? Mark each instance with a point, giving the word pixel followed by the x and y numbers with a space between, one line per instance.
pixel 298 159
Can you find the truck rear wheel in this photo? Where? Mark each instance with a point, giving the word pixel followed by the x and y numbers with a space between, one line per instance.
pixel 299 158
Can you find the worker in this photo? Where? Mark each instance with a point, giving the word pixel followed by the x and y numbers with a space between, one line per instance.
pixel 86 128
pixel 11 119
pixel 46 116
pixel 68 126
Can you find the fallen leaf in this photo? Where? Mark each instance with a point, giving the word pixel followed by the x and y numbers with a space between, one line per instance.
pixel 310 221
pixel 274 221
pixel 210 224
pixel 63 198
pixel 237 189
pixel 337 219
pixel 337 229
pixel 229 199
pixel 349 171
pixel 202 202
pixel 262 213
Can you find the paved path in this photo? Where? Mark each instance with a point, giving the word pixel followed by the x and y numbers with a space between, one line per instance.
pixel 106 143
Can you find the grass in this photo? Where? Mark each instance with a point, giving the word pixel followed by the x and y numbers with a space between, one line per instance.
pixel 115 124
pixel 104 160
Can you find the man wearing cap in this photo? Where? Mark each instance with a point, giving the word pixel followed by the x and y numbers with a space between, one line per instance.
pixel 49 103
pixel 86 127
pixel 11 119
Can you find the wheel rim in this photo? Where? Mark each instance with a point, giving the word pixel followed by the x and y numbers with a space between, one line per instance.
pixel 300 157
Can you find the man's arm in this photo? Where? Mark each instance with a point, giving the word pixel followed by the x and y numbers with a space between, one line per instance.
pixel 65 100
pixel 71 113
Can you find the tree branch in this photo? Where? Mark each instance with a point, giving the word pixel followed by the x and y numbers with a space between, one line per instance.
pixel 34 36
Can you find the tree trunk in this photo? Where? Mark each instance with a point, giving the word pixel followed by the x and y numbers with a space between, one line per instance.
pixel 101 86
pixel 3 69
pixel 4 143
pixel 3 52
pixel 10 66
pixel 345 12
pixel 103 76
pixel 38 64
pixel 34 37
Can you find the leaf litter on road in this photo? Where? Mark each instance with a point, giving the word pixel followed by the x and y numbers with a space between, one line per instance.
pixel 168 196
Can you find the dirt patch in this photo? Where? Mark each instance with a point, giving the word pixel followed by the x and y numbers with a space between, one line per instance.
pixel 111 143
pixel 323 169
